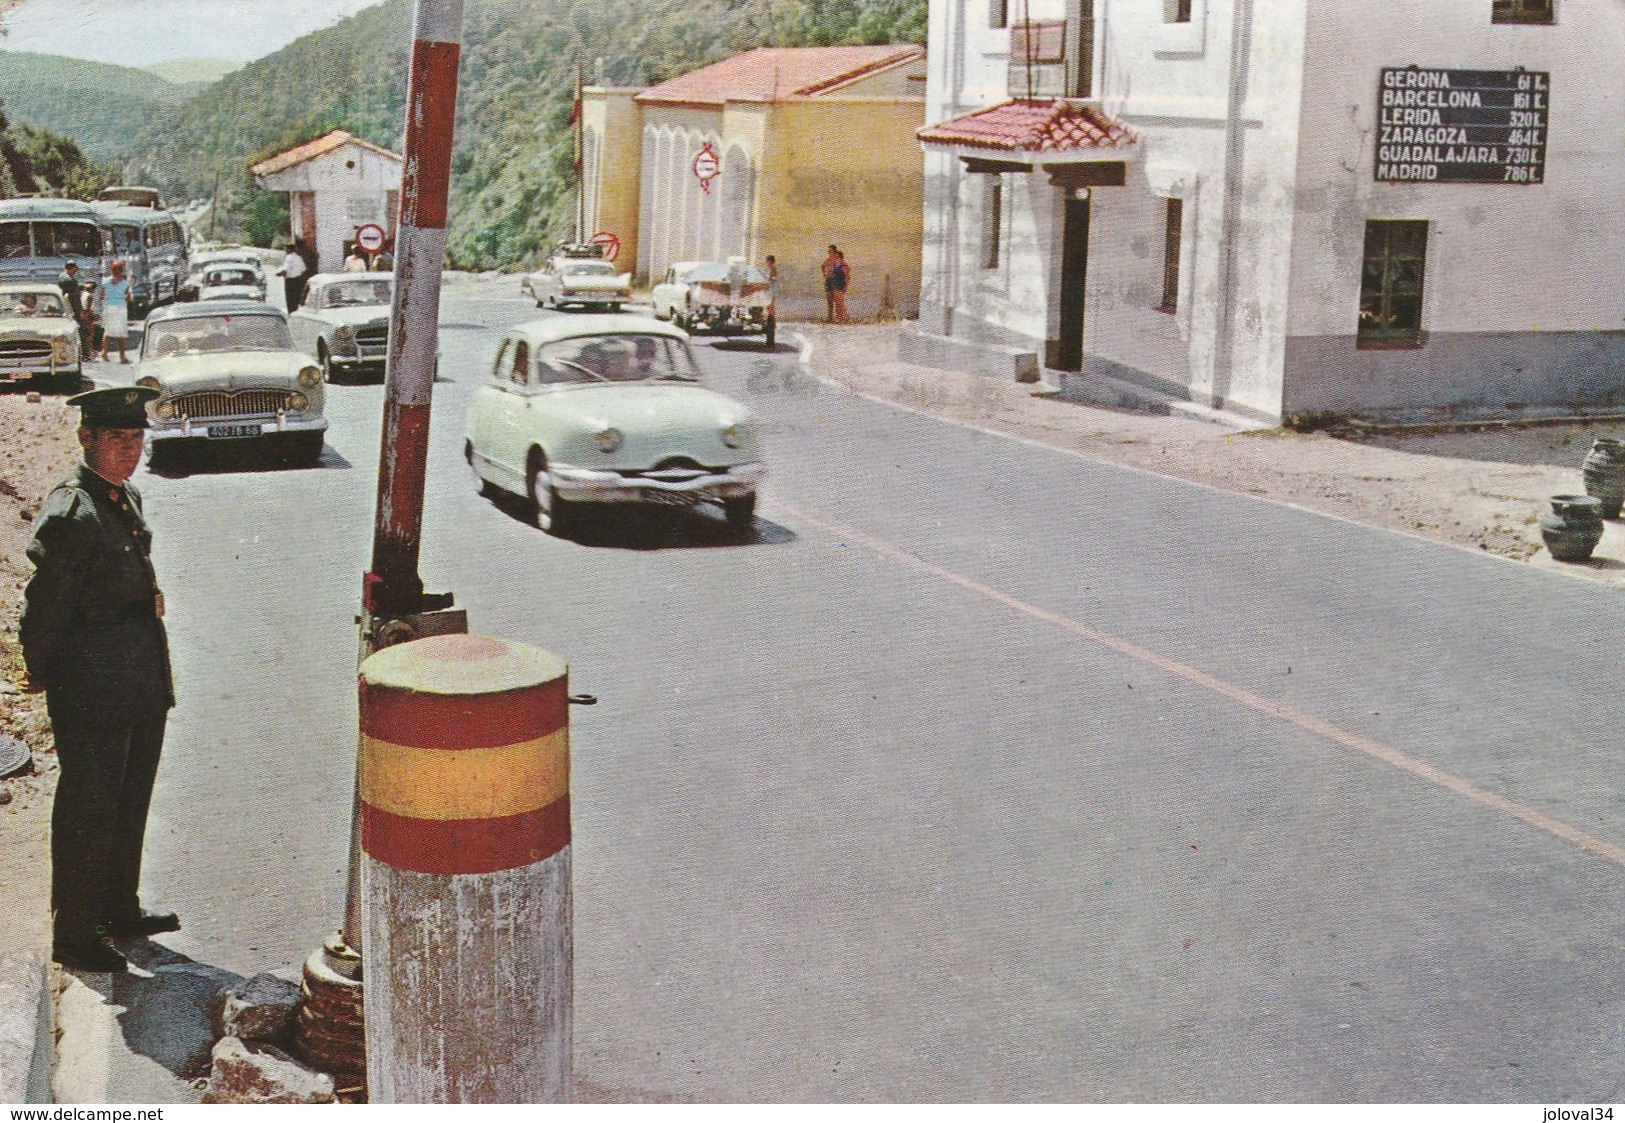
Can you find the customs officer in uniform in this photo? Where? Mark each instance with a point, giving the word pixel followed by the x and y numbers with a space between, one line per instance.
pixel 93 639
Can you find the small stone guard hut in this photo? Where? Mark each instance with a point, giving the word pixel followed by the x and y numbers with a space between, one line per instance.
pixel 335 184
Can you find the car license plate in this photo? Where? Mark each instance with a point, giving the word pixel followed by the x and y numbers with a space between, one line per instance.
pixel 671 498
pixel 234 430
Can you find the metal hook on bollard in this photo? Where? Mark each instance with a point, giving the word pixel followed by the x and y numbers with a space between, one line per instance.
pixel 583 699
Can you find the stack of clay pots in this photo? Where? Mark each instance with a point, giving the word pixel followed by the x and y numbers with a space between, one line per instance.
pixel 1573 527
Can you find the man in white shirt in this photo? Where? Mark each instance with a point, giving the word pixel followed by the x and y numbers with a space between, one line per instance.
pixel 293 278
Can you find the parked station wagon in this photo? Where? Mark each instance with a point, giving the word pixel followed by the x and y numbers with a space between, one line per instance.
pixel 344 322
pixel 227 374
pixel 38 336
pixel 609 410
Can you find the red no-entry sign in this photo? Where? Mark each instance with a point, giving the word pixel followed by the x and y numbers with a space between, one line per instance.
pixel 370 237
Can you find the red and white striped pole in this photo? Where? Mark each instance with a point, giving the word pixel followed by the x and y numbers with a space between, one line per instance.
pixel 393 587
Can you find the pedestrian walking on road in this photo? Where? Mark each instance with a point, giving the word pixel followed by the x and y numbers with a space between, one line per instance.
pixel 93 639
pixel 115 309
pixel 293 277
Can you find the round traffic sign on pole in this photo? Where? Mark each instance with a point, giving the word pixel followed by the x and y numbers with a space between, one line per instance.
pixel 611 244
pixel 707 166
pixel 370 237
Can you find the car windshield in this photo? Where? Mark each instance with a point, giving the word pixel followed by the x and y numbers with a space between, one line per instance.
pixel 195 335
pixel 589 269
pixel 349 294
pixel 229 277
pixel 30 304
pixel 615 358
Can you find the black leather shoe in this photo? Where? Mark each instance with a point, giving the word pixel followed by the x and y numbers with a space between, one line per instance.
pixel 88 955
pixel 144 924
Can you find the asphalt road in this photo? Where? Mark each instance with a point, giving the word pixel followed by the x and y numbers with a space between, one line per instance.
pixel 984 772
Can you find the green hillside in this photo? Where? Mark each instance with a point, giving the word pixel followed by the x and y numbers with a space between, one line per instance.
pixel 512 167
pixel 193 71
pixel 99 106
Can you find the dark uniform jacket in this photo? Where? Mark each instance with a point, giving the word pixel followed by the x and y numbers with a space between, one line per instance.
pixel 72 293
pixel 90 632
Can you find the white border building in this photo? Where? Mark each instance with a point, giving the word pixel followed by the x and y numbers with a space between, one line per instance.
pixel 1185 194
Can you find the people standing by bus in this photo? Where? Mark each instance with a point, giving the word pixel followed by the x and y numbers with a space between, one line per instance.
pixel 92 320
pixel 68 282
pixel 115 308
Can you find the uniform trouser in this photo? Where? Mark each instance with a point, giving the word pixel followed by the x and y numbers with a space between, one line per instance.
pixel 109 759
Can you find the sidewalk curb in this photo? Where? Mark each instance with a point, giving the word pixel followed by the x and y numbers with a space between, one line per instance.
pixel 25 1028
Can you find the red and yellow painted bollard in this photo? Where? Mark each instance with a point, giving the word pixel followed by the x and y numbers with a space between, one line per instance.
pixel 465 878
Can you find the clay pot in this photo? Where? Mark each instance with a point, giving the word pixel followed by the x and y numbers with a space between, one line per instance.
pixel 1573 527
pixel 1604 472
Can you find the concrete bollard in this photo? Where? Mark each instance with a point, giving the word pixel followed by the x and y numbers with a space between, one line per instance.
pixel 465 872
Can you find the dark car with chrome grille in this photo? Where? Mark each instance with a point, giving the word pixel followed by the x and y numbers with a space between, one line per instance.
pixel 228 375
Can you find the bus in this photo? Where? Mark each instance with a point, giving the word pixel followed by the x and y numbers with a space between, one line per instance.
pixel 153 248
pixel 39 236
pixel 132 196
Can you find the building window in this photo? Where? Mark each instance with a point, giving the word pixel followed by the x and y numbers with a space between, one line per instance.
pixel 1391 282
pixel 998 13
pixel 1037 59
pixel 1176 11
pixel 1173 226
pixel 1523 11
pixel 993 220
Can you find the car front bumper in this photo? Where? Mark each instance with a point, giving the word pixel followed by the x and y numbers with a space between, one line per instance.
pixel 234 428
pixel 593 485
pixel 16 371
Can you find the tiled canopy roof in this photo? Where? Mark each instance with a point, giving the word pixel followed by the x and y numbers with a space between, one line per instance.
pixel 321 146
pixel 1032 126
pixel 777 73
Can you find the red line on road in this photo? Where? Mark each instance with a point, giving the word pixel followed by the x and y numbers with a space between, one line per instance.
pixel 1375 749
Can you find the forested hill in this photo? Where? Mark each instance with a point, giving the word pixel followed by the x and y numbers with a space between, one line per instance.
pixel 512 168
pixel 98 105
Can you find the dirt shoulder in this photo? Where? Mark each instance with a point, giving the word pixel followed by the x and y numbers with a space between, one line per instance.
pixel 37 449
pixel 1483 488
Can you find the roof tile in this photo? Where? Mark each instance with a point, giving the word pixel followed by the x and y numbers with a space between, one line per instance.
pixel 321 146
pixel 778 74
pixel 1032 126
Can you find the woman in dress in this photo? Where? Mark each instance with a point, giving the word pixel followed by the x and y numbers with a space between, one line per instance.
pixel 115 305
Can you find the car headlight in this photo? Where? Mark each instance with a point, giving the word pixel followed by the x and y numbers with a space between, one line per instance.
pixel 165 411
pixel 149 382
pixel 733 435
pixel 297 402
pixel 310 377
pixel 62 348
pixel 609 439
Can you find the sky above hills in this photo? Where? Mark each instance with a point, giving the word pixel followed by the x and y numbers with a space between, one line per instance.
pixel 142 32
